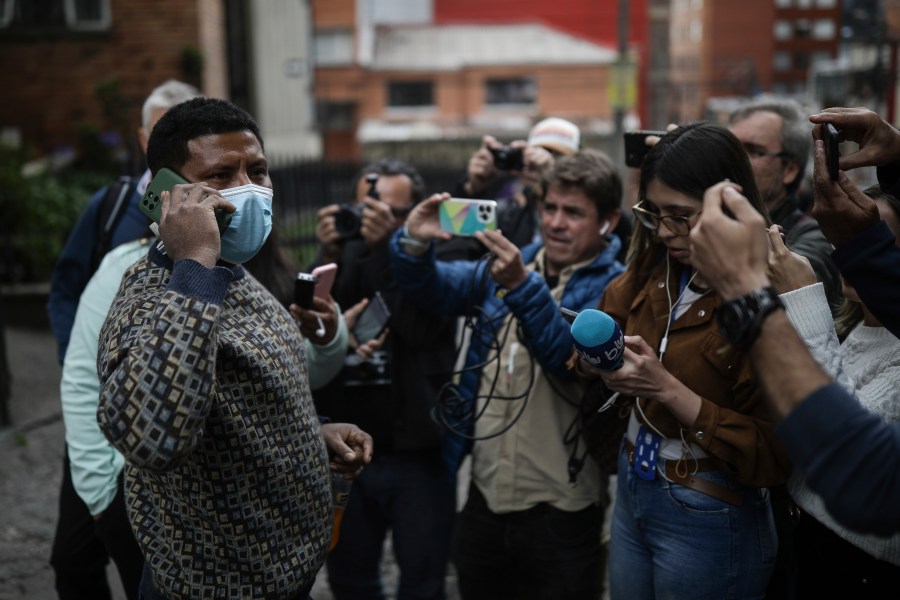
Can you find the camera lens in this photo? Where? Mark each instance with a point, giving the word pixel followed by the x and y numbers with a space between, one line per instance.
pixel 347 222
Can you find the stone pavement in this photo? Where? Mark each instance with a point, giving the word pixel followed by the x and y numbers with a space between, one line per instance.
pixel 31 452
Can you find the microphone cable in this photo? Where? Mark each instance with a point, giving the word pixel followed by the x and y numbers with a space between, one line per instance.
pixel 454 412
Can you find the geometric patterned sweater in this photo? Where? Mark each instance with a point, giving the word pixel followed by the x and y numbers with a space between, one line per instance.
pixel 205 393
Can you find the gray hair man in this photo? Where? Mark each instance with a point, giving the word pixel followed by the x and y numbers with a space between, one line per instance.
pixel 777 138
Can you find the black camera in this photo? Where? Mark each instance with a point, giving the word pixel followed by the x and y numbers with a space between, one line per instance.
pixel 348 220
pixel 508 159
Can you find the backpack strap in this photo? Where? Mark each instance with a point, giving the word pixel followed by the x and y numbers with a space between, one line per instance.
pixel 111 211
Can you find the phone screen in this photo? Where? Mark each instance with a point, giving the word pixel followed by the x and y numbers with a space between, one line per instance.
pixel 372 321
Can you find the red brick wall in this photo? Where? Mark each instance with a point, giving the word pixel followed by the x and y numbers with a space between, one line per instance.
pixel 50 82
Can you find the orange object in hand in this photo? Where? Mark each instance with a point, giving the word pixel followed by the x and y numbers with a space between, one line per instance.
pixel 340 492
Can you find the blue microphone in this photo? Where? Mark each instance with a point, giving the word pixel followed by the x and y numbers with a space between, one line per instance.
pixel 598 339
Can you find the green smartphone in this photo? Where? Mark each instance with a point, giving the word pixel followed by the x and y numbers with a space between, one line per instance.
pixel 164 181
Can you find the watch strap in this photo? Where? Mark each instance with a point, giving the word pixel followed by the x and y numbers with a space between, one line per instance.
pixel 740 319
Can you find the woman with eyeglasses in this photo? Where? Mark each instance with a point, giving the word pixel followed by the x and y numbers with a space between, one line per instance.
pixel 692 517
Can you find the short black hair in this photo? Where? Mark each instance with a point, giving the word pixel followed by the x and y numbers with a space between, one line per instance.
pixel 197 117
pixel 391 167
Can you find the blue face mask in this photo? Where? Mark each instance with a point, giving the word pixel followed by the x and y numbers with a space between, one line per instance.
pixel 250 224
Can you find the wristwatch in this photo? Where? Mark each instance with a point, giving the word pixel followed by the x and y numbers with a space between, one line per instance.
pixel 740 320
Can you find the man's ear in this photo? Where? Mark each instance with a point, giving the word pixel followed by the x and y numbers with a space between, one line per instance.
pixel 791 173
pixel 613 220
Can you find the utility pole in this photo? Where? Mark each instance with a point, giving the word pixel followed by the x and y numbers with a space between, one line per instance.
pixel 621 74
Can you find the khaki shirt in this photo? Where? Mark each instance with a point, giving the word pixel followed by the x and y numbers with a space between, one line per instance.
pixel 528 464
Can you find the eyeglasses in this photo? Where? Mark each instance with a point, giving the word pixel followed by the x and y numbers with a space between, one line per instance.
pixel 676 224
pixel 755 152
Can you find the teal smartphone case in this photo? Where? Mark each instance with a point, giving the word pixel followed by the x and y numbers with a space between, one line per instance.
pixel 466 217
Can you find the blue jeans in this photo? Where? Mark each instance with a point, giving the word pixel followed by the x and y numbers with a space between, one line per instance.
pixel 542 553
pixel 413 495
pixel 670 541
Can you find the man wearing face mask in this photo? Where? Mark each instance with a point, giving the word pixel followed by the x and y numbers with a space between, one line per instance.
pixel 205 384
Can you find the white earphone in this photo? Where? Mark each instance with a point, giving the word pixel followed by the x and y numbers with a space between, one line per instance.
pixel 605 228
pixel 320 332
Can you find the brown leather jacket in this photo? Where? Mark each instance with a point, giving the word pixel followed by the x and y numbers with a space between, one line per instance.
pixel 734 426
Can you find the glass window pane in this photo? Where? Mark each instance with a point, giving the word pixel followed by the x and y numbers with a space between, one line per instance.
pixel 781 61
pixel 87 14
pixel 410 93
pixel 519 90
pixel 6 12
pixel 782 30
pixel 333 47
pixel 823 29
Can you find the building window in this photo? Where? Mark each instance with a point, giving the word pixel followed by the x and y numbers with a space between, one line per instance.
pixel 44 15
pixel 801 61
pixel 6 12
pixel 333 47
pixel 410 94
pixel 821 57
pixel 696 30
pixel 782 30
pixel 823 29
pixel 336 116
pixel 826 3
pixel 781 61
pixel 804 3
pixel 802 28
pixel 519 90
pixel 783 3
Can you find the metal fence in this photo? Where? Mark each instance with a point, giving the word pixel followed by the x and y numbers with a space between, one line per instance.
pixel 302 189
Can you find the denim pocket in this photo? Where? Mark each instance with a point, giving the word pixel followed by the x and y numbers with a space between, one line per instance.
pixel 691 501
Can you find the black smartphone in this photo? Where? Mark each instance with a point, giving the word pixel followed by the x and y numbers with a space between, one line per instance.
pixel 164 181
pixel 832 150
pixel 636 147
pixel 304 286
pixel 372 321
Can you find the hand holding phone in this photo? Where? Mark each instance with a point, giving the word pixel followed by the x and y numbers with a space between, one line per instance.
pixel 373 320
pixel 460 216
pixel 303 290
pixel 324 276
pixel 164 181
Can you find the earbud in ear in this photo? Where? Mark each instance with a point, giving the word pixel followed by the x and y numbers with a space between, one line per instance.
pixel 605 228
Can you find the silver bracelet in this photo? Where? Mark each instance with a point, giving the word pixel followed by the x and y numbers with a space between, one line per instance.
pixel 408 240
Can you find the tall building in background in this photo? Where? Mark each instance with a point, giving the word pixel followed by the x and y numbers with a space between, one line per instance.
pixel 723 49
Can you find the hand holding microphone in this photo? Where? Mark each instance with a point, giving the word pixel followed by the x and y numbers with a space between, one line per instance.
pixel 598 340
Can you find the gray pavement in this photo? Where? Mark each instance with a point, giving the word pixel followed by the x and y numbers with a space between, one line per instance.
pixel 31 452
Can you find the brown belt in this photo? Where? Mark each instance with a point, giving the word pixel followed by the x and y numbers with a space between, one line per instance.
pixel 687 479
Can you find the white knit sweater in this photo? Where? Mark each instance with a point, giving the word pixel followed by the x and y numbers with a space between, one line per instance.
pixel 868 365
